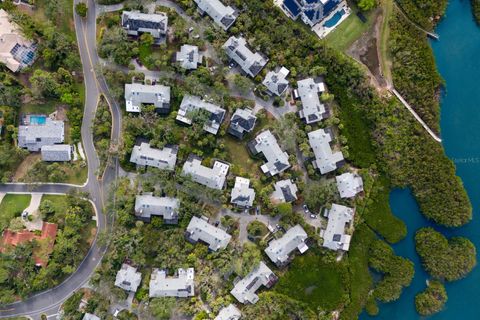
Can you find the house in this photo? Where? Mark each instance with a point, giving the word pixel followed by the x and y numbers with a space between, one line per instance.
pixel 276 81
pixel 242 195
pixel 242 122
pixel 191 104
pixel 137 94
pixel 312 109
pixel 44 133
pixel 285 191
pixel 279 250
pixel 334 236
pixel 251 63
pixel 349 185
pixel 188 57
pixel 210 177
pixel 200 230
pixel 89 316
pixel 136 23
pixel 230 312
pixel 223 16
pixel 277 159
pixel 128 278
pixel 181 286
pixel 56 152
pixel 16 52
pixel 326 160
pixel 41 254
pixel 310 11
pixel 144 155
pixel 147 206
pixel 244 290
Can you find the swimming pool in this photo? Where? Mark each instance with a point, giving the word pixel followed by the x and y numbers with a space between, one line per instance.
pixel 37 120
pixel 332 22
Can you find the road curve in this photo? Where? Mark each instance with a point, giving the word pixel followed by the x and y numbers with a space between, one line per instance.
pixel 49 301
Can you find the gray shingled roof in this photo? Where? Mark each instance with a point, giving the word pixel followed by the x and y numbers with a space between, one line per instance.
pixel 312 109
pixel 144 155
pixel 182 285
pixel 57 152
pixel 277 159
pixel 242 121
pixel 279 250
pixel 200 230
pixel 276 81
pixel 285 191
pixel 192 103
pixel 242 195
pixel 251 63
pixel 244 290
pixel 137 94
pixel 188 57
pixel 33 137
pixel 135 22
pixel 223 16
pixel 326 160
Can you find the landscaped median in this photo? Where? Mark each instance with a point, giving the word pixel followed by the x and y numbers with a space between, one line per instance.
pixel 40 249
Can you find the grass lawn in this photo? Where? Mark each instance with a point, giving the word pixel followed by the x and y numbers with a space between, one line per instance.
pixel 12 206
pixel 39 108
pixel 59 202
pixel 314 282
pixel 385 59
pixel 349 30
pixel 239 156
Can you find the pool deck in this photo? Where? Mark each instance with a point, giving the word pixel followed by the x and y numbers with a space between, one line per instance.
pixel 323 31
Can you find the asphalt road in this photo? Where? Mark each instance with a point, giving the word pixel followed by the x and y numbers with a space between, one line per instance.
pixel 49 301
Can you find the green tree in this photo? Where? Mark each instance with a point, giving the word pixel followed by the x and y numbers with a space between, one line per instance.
pixel 367 5
pixel 432 299
pixel 81 9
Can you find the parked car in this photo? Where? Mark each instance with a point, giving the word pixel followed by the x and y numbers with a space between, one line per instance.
pixel 305 208
pixel 313 216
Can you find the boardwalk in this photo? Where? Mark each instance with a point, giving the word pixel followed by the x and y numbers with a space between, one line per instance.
pixel 417 117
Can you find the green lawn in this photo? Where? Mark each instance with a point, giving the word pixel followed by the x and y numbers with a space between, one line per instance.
pixel 239 156
pixel 59 203
pixel 12 206
pixel 39 108
pixel 349 30
pixel 314 282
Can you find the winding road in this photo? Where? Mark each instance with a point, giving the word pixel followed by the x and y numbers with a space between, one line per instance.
pixel 48 302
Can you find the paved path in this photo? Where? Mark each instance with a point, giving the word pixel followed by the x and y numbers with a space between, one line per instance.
pixel 49 301
pixel 417 117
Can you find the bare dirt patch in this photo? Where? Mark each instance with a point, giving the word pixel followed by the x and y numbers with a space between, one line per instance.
pixel 26 164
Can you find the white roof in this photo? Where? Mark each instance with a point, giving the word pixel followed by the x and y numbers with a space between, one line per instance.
pixel 222 15
pixel 230 312
pixel 334 236
pixel 188 57
pixel 279 250
pixel 242 195
pixel 250 62
pixel 128 278
pixel 211 177
pixel 285 191
pixel 89 316
pixel 313 110
pixel 325 159
pixel 147 205
pixel 244 290
pixel 137 94
pixel 192 103
pixel 199 229
pixel 182 285
pixel 144 155
pixel 277 159
pixel 276 82
pixel 349 184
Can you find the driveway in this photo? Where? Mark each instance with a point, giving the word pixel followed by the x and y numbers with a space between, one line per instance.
pixel 36 222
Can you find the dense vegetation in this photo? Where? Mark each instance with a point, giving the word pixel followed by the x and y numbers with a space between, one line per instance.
pixel 476 10
pixel 18 275
pixel 432 299
pixel 449 259
pixel 397 271
pixel 102 126
pixel 414 71
pixel 424 12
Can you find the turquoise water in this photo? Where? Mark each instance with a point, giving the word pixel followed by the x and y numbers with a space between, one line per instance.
pixel 334 19
pixel 37 120
pixel 458 59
